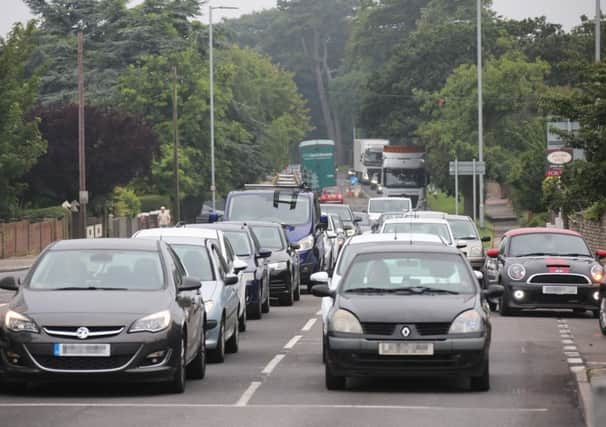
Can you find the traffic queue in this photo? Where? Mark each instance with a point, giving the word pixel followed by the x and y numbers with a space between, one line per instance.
pixel 411 295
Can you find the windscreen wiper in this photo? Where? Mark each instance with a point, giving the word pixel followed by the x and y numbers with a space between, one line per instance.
pixel 89 288
pixel 368 290
pixel 535 254
pixel 429 290
pixel 576 255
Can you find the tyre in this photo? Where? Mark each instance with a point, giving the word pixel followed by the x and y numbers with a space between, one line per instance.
pixel 602 317
pixel 493 306
pixel 242 321
pixel 595 314
pixel 288 299
pixel 254 311
pixel 196 370
pixel 298 291
pixel 579 311
pixel 333 382
pixel 177 385
pixel 482 381
pixel 504 308
pixel 265 306
pixel 231 346
pixel 218 354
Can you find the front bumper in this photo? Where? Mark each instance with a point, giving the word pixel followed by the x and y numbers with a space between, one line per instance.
pixel 534 298
pixel 359 357
pixel 253 292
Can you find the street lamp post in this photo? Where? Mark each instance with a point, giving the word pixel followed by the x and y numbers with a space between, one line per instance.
pixel 480 111
pixel 598 31
pixel 213 186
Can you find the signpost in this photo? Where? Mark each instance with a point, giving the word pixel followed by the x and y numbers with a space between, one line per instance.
pixel 466 168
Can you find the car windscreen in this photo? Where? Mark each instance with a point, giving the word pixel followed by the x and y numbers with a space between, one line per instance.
pixel 268 237
pixel 388 205
pixel 433 228
pixel 281 207
pixel 240 242
pixel 343 211
pixel 98 269
pixel 463 229
pixel 543 244
pixel 196 261
pixel 408 273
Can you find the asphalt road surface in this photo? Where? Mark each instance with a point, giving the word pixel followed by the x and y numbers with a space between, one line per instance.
pixel 277 379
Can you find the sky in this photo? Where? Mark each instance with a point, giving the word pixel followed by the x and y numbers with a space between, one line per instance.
pixel 565 12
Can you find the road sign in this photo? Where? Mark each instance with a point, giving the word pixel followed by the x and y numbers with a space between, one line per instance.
pixel 466 168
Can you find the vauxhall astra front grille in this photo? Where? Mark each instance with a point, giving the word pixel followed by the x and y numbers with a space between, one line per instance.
pixel 82 363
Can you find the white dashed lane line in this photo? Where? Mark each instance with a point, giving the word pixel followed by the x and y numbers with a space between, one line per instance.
pixel 310 324
pixel 573 357
pixel 293 341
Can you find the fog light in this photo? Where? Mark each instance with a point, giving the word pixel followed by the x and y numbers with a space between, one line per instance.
pixel 13 358
pixel 596 295
pixel 155 357
pixel 518 294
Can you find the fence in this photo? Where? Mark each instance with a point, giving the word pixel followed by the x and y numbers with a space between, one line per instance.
pixel 24 238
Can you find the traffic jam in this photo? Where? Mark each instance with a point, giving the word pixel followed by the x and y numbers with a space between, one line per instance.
pixel 402 291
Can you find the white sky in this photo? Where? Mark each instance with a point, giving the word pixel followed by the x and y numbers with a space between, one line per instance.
pixel 565 12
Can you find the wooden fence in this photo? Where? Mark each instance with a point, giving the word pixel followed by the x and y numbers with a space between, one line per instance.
pixel 24 238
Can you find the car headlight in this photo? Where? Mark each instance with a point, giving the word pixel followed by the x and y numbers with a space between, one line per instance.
pixel 345 322
pixel 153 323
pixel 350 232
pixel 306 243
pixel 18 322
pixel 516 272
pixel 476 251
pixel 597 273
pixel 278 266
pixel 466 323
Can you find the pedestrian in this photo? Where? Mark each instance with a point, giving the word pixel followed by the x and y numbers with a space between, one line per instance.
pixel 164 218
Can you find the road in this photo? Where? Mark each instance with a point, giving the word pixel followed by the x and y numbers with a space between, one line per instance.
pixel 277 379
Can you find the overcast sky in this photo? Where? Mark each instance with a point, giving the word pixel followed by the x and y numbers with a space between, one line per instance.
pixel 565 12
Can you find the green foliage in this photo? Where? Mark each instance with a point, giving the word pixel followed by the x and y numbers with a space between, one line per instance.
pixel 153 202
pixel 125 202
pixel 41 214
pixel 596 211
pixel 20 141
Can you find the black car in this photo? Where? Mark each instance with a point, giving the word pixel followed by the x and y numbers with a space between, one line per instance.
pixel 407 310
pixel 106 309
pixel 285 279
pixel 545 268
pixel 248 249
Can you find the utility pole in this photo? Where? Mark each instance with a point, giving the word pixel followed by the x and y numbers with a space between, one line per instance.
pixel 598 31
pixel 176 148
pixel 83 195
pixel 480 111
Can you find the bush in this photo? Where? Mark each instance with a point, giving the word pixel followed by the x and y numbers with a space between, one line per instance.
pixel 539 220
pixel 35 215
pixel 126 202
pixel 596 211
pixel 152 202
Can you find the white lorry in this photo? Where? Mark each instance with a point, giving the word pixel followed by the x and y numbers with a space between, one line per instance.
pixel 404 174
pixel 368 158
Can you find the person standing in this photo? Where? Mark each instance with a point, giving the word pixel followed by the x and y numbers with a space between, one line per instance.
pixel 164 218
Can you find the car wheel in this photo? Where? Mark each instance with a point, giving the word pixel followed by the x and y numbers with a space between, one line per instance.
pixel 482 381
pixel 596 314
pixel 266 305
pixel 288 299
pixel 242 321
pixel 231 346
pixel 218 354
pixel 602 318
pixel 196 370
pixel 298 291
pixel 178 383
pixel 579 311
pixel 333 382
pixel 504 308
pixel 254 311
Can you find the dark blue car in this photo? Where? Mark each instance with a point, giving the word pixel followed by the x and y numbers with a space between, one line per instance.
pixel 297 210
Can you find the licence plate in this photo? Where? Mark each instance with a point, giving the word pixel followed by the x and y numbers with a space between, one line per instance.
pixel 405 349
pixel 560 290
pixel 81 350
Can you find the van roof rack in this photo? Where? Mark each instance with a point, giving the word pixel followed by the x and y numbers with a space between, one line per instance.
pixel 280 182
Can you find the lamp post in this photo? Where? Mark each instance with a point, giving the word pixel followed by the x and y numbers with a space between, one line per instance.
pixel 213 186
pixel 480 111
pixel 598 33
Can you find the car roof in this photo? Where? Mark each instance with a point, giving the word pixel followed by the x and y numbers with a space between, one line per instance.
pixel 300 192
pixel 257 223
pixel 393 237
pixel 533 230
pixel 426 214
pixel 201 233
pixel 389 198
pixel 411 247
pixel 107 244
pixel 408 220
pixel 344 206
pixel 459 217
pixel 223 226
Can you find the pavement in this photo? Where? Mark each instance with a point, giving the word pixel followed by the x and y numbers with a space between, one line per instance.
pixel 16 263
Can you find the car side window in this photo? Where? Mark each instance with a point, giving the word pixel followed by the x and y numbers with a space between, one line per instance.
pixel 503 246
pixel 229 250
pixel 221 266
pixel 178 271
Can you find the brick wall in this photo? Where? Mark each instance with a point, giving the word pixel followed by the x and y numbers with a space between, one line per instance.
pixel 594 232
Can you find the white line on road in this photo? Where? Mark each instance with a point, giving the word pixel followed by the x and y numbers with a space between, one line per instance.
pixel 570 348
pixel 272 364
pixel 575 361
pixel 572 354
pixel 567 342
pixel 290 344
pixel 248 394
pixel 319 312
pixel 310 323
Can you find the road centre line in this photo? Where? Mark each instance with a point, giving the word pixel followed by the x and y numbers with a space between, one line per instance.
pixel 319 312
pixel 248 394
pixel 272 364
pixel 310 323
pixel 265 406
pixel 293 341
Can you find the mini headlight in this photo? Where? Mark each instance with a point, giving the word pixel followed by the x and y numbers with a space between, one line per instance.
pixel 306 243
pixel 209 305
pixel 516 272
pixel 18 322
pixel 278 266
pixel 153 323
pixel 597 273
pixel 476 251
pixel 467 322
pixel 345 322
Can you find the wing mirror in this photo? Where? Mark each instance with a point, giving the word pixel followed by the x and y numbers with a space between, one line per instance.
pixel 486 239
pixel 600 253
pixel 264 253
pixel 357 219
pixel 319 278
pixel 9 283
pixel 323 291
pixel 239 265
pixel 331 234
pixel 190 284
pixel 492 253
pixel 493 291
pixel 461 244
pixel 295 246
pixel 231 279
pixel 479 275
pixel 323 224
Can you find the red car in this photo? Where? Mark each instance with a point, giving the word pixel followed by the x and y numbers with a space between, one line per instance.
pixel 331 195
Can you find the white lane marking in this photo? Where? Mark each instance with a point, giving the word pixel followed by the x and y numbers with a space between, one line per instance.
pixel 310 323
pixel 319 312
pixel 562 325
pixel 272 364
pixel 575 361
pixel 264 406
pixel 290 344
pixel 248 394
pixel 570 348
pixel 576 369
pixel 572 354
pixel 567 342
pixel 566 336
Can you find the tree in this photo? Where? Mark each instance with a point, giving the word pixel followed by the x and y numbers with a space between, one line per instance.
pixel 20 141
pixel 119 147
